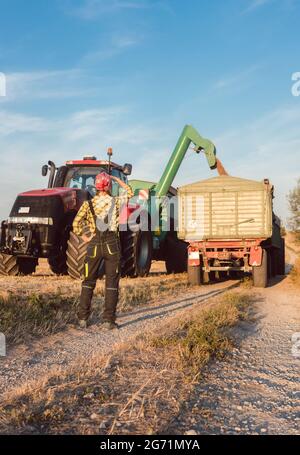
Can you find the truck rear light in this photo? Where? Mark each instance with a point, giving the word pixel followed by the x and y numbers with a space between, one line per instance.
pixel 194 258
pixel 255 256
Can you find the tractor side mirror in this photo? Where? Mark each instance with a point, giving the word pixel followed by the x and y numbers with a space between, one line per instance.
pixel 44 170
pixel 127 169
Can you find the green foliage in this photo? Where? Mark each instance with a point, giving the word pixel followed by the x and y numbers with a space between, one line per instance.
pixel 294 206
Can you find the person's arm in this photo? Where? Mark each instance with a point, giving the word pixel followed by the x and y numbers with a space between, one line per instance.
pixel 81 220
pixel 123 185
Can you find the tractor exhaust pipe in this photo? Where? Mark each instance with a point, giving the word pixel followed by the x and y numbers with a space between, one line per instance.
pixel 52 174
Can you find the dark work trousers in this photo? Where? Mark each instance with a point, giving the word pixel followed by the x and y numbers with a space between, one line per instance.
pixel 105 245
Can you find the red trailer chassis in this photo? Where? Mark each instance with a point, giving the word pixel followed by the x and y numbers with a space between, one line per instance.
pixel 225 255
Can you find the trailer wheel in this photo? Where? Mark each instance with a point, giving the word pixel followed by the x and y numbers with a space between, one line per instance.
pixel 206 277
pixel 194 274
pixel 14 265
pixel 176 255
pixel 260 273
pixel 274 262
pixel 281 258
pixel 136 253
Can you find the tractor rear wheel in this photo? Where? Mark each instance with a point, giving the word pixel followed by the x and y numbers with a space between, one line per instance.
pixel 76 254
pixel 260 273
pixel 136 253
pixel 14 265
pixel 176 255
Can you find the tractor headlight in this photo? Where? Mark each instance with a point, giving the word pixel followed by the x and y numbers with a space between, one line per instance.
pixel 30 220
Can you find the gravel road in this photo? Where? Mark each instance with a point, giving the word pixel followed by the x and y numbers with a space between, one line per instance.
pixel 256 390
pixel 36 359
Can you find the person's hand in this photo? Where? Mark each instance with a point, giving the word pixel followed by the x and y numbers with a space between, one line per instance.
pixel 86 238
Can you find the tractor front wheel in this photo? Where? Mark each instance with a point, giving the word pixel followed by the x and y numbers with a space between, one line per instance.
pixel 15 266
pixel 136 253
pixel 58 264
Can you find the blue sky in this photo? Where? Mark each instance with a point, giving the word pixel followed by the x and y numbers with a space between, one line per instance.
pixel 83 75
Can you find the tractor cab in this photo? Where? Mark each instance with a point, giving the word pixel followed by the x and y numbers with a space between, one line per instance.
pixel 81 174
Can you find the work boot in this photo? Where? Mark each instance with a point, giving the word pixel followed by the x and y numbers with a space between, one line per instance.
pixel 82 324
pixel 109 325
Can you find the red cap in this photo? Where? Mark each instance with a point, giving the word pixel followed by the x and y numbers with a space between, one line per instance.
pixel 103 182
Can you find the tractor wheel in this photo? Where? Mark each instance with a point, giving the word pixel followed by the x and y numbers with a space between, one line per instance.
pixel 76 253
pixel 9 265
pixel 194 275
pixel 58 264
pixel 136 253
pixel 260 273
pixel 14 266
pixel 27 266
pixel 176 255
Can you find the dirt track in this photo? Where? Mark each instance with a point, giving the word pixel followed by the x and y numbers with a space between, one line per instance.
pixel 256 390
pixel 33 360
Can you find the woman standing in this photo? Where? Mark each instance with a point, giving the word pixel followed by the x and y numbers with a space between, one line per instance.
pixel 101 217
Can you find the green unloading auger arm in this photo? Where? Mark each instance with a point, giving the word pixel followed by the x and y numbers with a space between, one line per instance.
pixel 189 135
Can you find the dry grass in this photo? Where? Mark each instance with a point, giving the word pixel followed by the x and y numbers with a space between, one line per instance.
pixel 295 272
pixel 293 240
pixel 136 391
pixel 195 340
pixel 42 305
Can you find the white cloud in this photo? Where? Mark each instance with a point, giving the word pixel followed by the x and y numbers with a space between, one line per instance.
pixel 255 4
pixel 11 123
pixel 117 44
pixel 92 9
pixel 267 148
pixel 58 84
pixel 26 143
pixel 237 79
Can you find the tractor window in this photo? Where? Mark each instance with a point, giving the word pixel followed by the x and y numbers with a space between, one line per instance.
pixel 83 178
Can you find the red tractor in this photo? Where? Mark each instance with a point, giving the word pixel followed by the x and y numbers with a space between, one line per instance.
pixel 40 222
